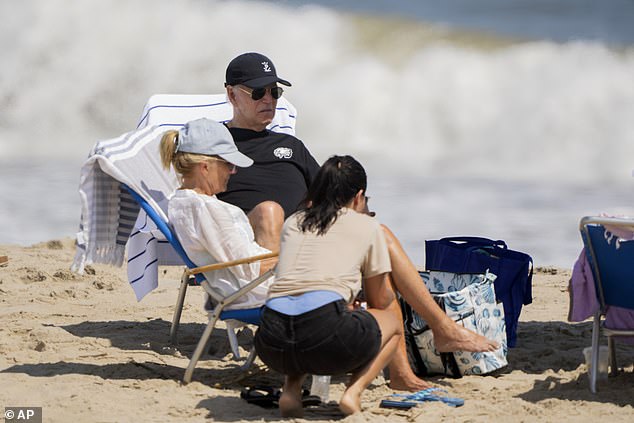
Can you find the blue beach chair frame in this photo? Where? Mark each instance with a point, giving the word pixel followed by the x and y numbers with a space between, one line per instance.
pixel 613 271
pixel 250 316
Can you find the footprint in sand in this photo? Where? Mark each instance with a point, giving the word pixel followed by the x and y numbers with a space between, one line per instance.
pixel 33 275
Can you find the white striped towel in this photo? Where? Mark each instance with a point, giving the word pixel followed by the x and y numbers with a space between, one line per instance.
pixel 110 217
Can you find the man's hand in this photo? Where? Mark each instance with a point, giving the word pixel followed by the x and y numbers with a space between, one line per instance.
pixel 366 210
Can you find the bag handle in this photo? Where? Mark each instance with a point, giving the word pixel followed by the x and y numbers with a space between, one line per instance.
pixel 450 364
pixel 476 240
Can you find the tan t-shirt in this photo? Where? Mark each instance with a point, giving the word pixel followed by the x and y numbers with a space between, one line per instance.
pixel 353 248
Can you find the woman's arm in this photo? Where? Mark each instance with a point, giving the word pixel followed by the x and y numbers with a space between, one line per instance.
pixel 223 237
pixel 378 292
pixel 267 264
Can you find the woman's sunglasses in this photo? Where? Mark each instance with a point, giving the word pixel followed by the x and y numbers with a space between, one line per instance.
pixel 230 166
pixel 259 93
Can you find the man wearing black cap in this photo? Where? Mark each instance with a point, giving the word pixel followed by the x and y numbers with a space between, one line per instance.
pixel 271 189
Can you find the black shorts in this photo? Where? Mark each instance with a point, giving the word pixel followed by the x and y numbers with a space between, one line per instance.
pixel 329 340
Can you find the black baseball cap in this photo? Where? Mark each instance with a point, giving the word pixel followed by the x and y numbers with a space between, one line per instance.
pixel 254 70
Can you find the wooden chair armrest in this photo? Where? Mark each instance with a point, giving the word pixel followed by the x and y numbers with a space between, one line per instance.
pixel 224 265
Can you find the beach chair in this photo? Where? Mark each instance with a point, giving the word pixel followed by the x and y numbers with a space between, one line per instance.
pixel 174 110
pixel 612 264
pixel 223 303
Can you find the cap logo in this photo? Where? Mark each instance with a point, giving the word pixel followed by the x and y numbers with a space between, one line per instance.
pixel 283 153
pixel 266 67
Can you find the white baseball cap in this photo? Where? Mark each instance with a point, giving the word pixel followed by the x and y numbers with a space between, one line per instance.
pixel 211 138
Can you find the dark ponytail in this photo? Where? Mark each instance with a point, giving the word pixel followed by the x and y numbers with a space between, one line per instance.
pixel 337 182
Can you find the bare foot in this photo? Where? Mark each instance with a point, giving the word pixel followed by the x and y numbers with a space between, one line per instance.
pixel 458 338
pixel 291 405
pixel 409 382
pixel 350 403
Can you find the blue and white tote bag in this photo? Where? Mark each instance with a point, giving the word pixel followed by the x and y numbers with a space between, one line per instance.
pixel 469 300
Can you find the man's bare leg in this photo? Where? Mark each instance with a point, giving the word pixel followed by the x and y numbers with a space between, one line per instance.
pixel 267 219
pixel 448 336
pixel 401 375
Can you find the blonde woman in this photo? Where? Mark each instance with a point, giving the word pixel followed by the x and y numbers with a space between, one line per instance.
pixel 204 156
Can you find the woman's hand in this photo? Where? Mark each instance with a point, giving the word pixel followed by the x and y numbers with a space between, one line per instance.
pixel 355 305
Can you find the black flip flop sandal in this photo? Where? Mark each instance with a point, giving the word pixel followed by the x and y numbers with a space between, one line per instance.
pixel 264 396
pixel 309 400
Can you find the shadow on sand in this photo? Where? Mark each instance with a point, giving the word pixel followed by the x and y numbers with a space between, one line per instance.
pixel 149 337
pixel 549 350
pixel 554 348
pixel 154 335
pixel 241 411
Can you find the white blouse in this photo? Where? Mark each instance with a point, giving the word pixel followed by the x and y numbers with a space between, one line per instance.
pixel 213 231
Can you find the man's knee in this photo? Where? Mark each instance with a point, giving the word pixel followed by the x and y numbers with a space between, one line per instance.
pixel 267 218
pixel 268 211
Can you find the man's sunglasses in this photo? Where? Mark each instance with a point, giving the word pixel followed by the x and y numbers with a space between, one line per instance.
pixel 259 93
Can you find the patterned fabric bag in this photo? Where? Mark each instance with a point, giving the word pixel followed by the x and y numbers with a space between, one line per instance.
pixel 468 299
pixel 514 271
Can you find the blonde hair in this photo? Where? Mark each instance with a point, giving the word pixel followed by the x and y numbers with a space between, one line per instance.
pixel 182 162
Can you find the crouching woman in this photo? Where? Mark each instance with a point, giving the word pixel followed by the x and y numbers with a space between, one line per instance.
pixel 330 249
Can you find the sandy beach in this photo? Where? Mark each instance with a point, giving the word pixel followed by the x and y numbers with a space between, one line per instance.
pixel 84 350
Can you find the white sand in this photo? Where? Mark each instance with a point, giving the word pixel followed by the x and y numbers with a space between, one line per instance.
pixel 82 348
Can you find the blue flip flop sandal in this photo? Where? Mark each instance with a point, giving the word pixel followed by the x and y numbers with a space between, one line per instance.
pixel 430 395
pixel 406 405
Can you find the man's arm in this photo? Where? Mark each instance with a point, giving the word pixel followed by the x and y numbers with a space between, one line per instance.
pixel 310 167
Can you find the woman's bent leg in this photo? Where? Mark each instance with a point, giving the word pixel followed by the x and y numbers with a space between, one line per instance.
pixel 291 398
pixel 391 332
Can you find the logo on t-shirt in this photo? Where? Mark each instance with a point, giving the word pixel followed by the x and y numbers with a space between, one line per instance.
pixel 283 153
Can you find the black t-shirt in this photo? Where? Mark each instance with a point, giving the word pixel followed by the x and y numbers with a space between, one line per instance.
pixel 282 170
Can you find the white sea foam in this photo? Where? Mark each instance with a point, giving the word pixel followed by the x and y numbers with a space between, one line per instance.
pixel 76 71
